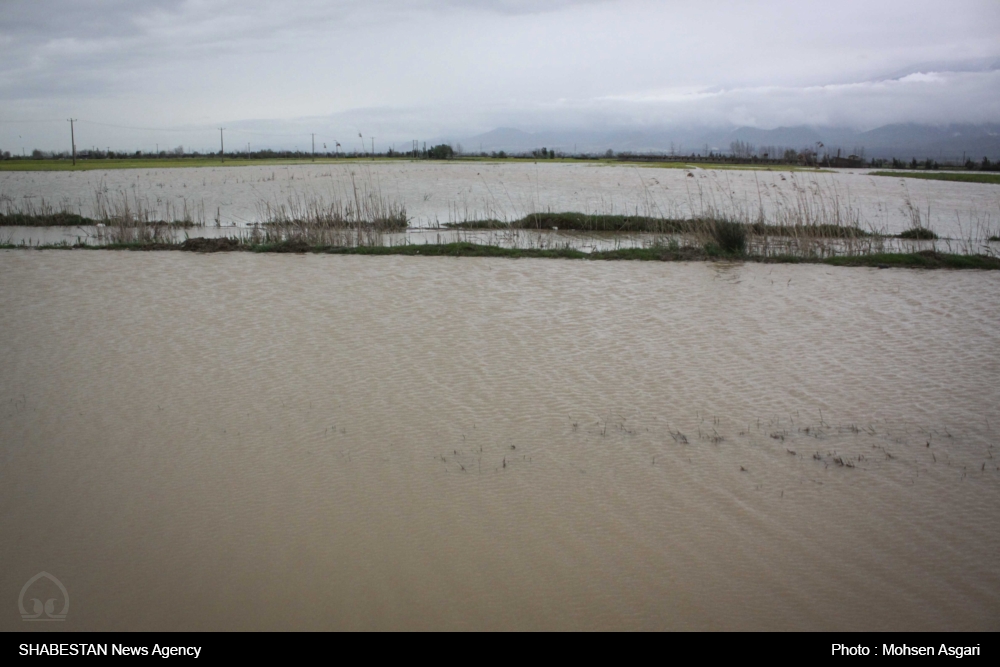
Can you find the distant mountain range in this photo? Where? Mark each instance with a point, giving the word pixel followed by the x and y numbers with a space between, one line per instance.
pixel 904 141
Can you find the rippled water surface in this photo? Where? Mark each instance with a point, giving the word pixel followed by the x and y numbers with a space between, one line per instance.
pixel 240 441
pixel 439 192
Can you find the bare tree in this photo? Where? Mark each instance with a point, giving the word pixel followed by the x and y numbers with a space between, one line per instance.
pixel 742 150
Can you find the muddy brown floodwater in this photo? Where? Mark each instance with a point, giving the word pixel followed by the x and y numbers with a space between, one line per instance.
pixel 333 442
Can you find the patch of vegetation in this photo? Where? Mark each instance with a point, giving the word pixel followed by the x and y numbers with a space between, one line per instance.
pixel 927 259
pixel 64 219
pixel 731 237
pixel 822 231
pixel 600 223
pixel 732 231
pixel 918 233
pixel 478 224
pixel 939 176
pixel 441 152
pixel 61 219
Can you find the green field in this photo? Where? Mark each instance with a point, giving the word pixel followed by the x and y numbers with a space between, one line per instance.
pixel 937 176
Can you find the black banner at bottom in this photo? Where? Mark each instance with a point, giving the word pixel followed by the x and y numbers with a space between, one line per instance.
pixel 213 646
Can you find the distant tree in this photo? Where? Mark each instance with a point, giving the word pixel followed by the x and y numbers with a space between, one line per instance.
pixel 609 154
pixel 441 152
pixel 37 154
pixel 742 150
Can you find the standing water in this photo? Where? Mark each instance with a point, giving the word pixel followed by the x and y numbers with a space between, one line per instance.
pixel 249 442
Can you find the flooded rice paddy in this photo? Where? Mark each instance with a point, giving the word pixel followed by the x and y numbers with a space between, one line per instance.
pixel 436 193
pixel 244 441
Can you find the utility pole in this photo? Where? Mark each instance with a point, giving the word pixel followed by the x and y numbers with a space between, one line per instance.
pixel 314 146
pixel 72 139
pixel 373 148
pixel 222 146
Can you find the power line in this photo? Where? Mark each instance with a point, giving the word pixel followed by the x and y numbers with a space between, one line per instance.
pixel 145 129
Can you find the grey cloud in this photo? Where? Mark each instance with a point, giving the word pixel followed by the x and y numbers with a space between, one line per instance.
pixel 446 67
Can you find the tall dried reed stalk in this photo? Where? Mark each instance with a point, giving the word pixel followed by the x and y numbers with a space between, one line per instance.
pixel 361 218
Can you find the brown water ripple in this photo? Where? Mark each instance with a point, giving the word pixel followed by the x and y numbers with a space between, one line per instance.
pixel 247 441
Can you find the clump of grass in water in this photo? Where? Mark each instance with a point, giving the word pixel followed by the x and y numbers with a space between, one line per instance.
pixel 27 213
pixel 918 233
pixel 730 237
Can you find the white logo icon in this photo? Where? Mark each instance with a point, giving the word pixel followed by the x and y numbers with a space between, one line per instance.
pixel 49 606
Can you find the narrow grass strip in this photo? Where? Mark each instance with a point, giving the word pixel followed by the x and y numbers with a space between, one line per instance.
pixel 927 259
pixel 930 176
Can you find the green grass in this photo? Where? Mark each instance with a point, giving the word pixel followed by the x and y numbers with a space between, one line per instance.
pixel 937 176
pixel 725 166
pixel 64 219
pixel 919 233
pixel 61 219
pixel 643 224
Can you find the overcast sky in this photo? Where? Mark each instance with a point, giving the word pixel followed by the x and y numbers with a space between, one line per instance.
pixel 401 69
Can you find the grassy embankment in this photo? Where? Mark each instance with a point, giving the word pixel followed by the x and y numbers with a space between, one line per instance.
pixel 937 176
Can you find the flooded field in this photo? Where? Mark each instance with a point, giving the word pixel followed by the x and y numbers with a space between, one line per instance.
pixel 435 193
pixel 243 441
